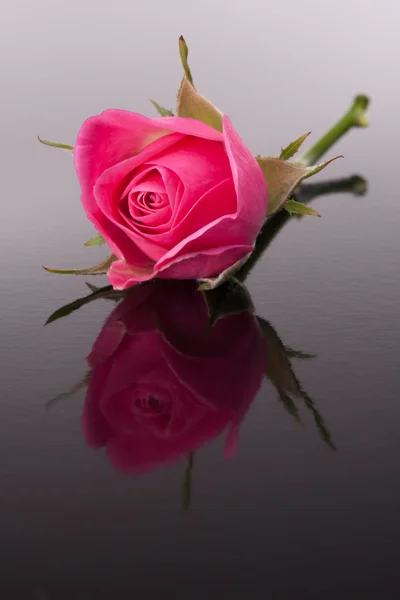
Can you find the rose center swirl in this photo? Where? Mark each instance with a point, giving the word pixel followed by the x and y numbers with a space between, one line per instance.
pixel 146 201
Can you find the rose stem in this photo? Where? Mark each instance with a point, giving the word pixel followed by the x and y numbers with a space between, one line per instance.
pixel 354 117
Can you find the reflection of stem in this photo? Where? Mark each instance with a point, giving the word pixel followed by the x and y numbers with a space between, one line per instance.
pixel 355 185
pixel 354 117
pixel 187 482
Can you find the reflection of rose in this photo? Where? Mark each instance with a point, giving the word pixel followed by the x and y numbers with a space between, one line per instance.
pixel 163 382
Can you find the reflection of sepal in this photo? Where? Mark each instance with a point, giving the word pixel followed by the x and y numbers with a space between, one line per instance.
pixel 105 292
pixel 100 269
pixel 294 147
pixel 280 372
pixel 289 405
pixel 71 392
pixel 113 295
pixel 291 353
pixel 230 298
pixel 284 177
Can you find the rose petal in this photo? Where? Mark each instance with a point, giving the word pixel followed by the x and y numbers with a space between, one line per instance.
pixel 200 264
pixel 123 275
pixel 116 135
pixel 200 165
pixel 217 202
pixel 250 183
pixel 189 126
pixel 101 191
pixel 109 189
pixel 107 139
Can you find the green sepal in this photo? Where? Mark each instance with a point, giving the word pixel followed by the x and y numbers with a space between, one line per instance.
pixel 284 177
pixel 97 240
pixel 56 145
pixel 164 112
pixel 100 269
pixel 298 208
pixel 190 103
pixel 184 53
pixel 292 148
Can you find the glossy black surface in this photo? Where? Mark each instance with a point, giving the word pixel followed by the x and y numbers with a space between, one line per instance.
pixel 287 518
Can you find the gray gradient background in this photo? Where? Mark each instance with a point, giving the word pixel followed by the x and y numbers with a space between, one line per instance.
pixel 287 518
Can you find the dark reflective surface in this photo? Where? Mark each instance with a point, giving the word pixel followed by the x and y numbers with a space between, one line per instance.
pixel 287 516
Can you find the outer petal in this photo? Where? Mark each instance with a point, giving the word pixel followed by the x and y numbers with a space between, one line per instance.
pixel 200 264
pixel 122 275
pixel 250 183
pixel 101 155
pixel 189 126
pixel 240 229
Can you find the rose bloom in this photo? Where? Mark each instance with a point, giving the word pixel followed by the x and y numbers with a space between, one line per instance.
pixel 171 196
pixel 163 382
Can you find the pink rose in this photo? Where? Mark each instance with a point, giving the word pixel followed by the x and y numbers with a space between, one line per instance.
pixel 172 196
pixel 163 383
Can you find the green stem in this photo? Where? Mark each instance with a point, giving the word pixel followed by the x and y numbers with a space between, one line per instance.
pixel 354 117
